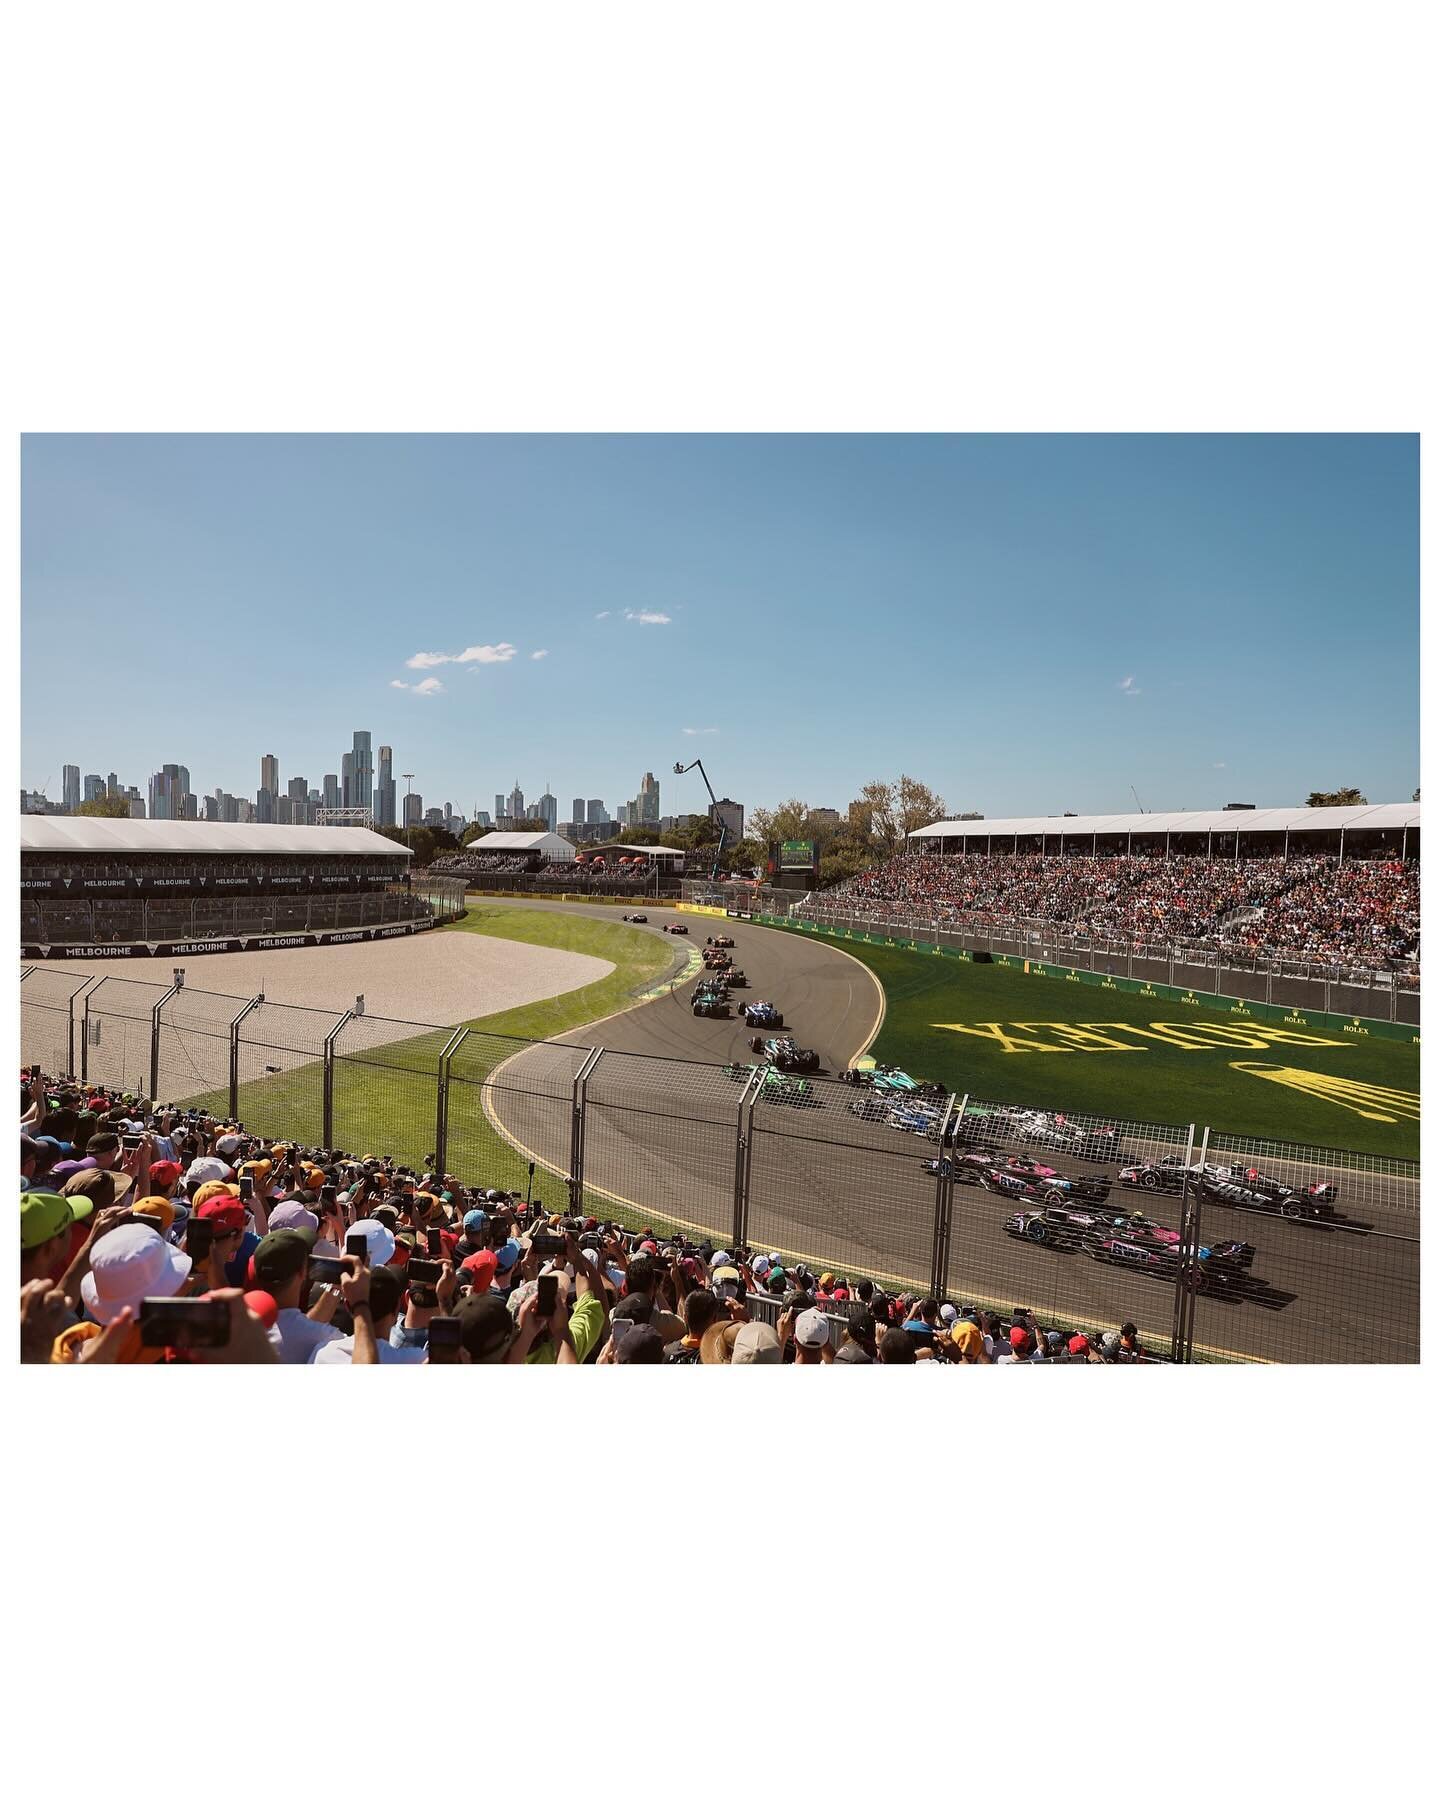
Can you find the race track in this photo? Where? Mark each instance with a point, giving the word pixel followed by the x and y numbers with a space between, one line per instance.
pixel 660 1137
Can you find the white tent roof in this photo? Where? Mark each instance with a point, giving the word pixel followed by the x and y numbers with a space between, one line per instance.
pixel 1148 823
pixel 519 841
pixel 139 835
pixel 619 848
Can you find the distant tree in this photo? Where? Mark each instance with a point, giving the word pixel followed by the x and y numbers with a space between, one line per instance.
pixel 979 816
pixel 894 808
pixel 1416 798
pixel 473 832
pixel 106 805
pixel 1346 795
pixel 641 835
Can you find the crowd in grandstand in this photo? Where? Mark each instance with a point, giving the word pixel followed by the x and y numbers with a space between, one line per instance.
pixel 1359 913
pixel 150 1235
pixel 489 860
pixel 81 920
pixel 78 868
pixel 617 871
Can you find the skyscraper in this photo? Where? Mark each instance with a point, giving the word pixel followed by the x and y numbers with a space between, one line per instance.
pixel 383 809
pixel 414 808
pixel 547 810
pixel 595 811
pixel 112 786
pixel 517 801
pixel 70 791
pixel 270 775
pixel 332 790
pixel 347 779
pixel 299 796
pixel 649 801
pixel 363 769
pixel 500 811
pixel 577 810
pixel 94 786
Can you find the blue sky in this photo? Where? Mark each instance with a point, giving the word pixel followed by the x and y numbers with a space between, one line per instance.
pixel 1031 624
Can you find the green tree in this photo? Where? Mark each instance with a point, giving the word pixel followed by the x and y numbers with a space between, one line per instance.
pixel 1346 795
pixel 106 805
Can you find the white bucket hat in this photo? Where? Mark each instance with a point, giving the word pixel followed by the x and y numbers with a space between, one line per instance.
pixel 381 1241
pixel 128 1265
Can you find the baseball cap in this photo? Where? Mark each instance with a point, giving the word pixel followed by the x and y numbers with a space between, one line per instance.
pixel 1019 1337
pixel 128 1265
pixel 1079 1343
pixel 641 1346
pixel 160 1208
pixel 475 1219
pixel 45 1215
pixel 100 1187
pixel 485 1327
pixel 720 1258
pixel 481 1267
pixel 164 1173
pixel 206 1168
pixel 228 1146
pixel 314 1176
pixel 947 1312
pixel 262 1307
pixel 292 1214
pixel 380 1242
pixel 506 1255
pixel 967 1338
pixel 760 1265
pixel 1054 1338
pixel 757 1344
pixel 279 1256
pixel 254 1167
pixel 66 1169
pixel 225 1212
pixel 811 1328
pixel 776 1280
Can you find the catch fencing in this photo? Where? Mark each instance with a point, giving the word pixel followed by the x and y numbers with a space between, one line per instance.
pixel 1219 1247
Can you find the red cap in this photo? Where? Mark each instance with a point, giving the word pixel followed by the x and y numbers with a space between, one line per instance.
pixel 98 1104
pixel 163 1174
pixel 481 1266
pixel 1079 1343
pixel 225 1212
pixel 262 1307
pixel 648 1247
pixel 449 1241
pixel 1019 1337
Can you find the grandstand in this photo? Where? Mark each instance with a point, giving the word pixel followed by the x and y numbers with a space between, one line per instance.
pixel 92 887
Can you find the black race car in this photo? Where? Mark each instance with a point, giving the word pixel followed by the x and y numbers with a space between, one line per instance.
pixel 719 941
pixel 1246 1188
pixel 784 1054
pixel 1055 1227
pixel 710 1001
pixel 675 928
pixel 638 917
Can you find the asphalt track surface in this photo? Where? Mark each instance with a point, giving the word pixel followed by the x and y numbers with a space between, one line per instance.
pixel 839 1192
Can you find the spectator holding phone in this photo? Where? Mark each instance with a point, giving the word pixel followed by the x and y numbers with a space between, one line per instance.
pixel 384 1292
pixel 281 1263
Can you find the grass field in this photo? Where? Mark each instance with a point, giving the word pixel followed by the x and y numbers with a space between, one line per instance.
pixel 1326 1087
pixel 385 1094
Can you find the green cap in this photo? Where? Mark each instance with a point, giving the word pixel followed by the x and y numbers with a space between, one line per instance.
pixel 45 1216
pixel 280 1255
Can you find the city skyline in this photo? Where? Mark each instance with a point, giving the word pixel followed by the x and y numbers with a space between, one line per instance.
pixel 518 597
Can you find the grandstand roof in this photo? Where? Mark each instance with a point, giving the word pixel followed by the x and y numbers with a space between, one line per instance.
pixel 522 841
pixel 139 835
pixel 1145 823
pixel 618 848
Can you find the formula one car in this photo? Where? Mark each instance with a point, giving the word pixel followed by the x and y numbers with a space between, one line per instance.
pixel 871 1109
pixel 639 917
pixel 783 1053
pixel 1077 1188
pixel 777 1087
pixel 762 1015
pixel 709 1001
pixel 967 1167
pixel 1055 1227
pixel 1056 1132
pixel 733 977
pixel 1246 1188
pixel 716 957
pixel 1148 1248
pixel 675 929
pixel 1155 1175
pixel 719 941
pixel 915 1119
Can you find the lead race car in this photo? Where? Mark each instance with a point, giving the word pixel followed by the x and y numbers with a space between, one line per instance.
pixel 719 941
pixel 1241 1187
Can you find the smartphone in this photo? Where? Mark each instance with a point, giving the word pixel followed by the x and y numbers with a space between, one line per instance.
pixel 323 1270
pixel 328 1205
pixel 621 1327
pixel 444 1339
pixel 247 1186
pixel 548 1245
pixel 199 1234
pixel 184 1322
pixel 358 1245
pixel 549 1291
pixel 35 1072
pixel 425 1272
pixel 499 1230
pixel 432 1242
pixel 131 1139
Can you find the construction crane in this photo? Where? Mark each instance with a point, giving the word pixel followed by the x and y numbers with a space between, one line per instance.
pixel 681 768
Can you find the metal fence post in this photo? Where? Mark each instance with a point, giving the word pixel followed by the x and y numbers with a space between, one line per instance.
pixel 442 1096
pixel 70 1030
pixel 578 1090
pixel 235 1053
pixel 155 1010
pixel 744 1116
pixel 328 1076
pixel 945 1197
pixel 1187 1270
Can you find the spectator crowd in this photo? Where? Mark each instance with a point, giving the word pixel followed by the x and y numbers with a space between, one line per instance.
pixel 152 1235
pixel 1316 909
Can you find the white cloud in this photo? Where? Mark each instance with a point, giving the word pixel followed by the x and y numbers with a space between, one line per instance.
pixel 481 651
pixel 647 617
pixel 709 730
pixel 428 688
pixel 1129 688
pixel 601 614
pixel 538 654
pixel 401 685
pixel 1219 766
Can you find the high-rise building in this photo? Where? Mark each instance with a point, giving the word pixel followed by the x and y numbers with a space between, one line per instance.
pixel 547 810
pixel 434 818
pixel 363 770
pixel 190 807
pixel 112 786
pixel 595 811
pixel 70 788
pixel 270 775
pixel 245 811
pixel 299 795
pixel 414 808
pixel 499 806
pixel 284 807
pixel 649 799
pixel 212 808
pixel 347 779
pixel 230 807
pixel 264 805
pixel 168 791
pixel 383 809
pixel 725 811
pixel 137 807
pixel 517 801
pixel 332 791
pixel 94 786
pixel 483 819
pixel 577 810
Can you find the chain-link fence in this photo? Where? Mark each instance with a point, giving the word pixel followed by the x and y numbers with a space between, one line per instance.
pixel 49 1020
pixel 1219 1247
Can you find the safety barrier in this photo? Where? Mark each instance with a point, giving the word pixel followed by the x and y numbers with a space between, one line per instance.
pixel 1218 1247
